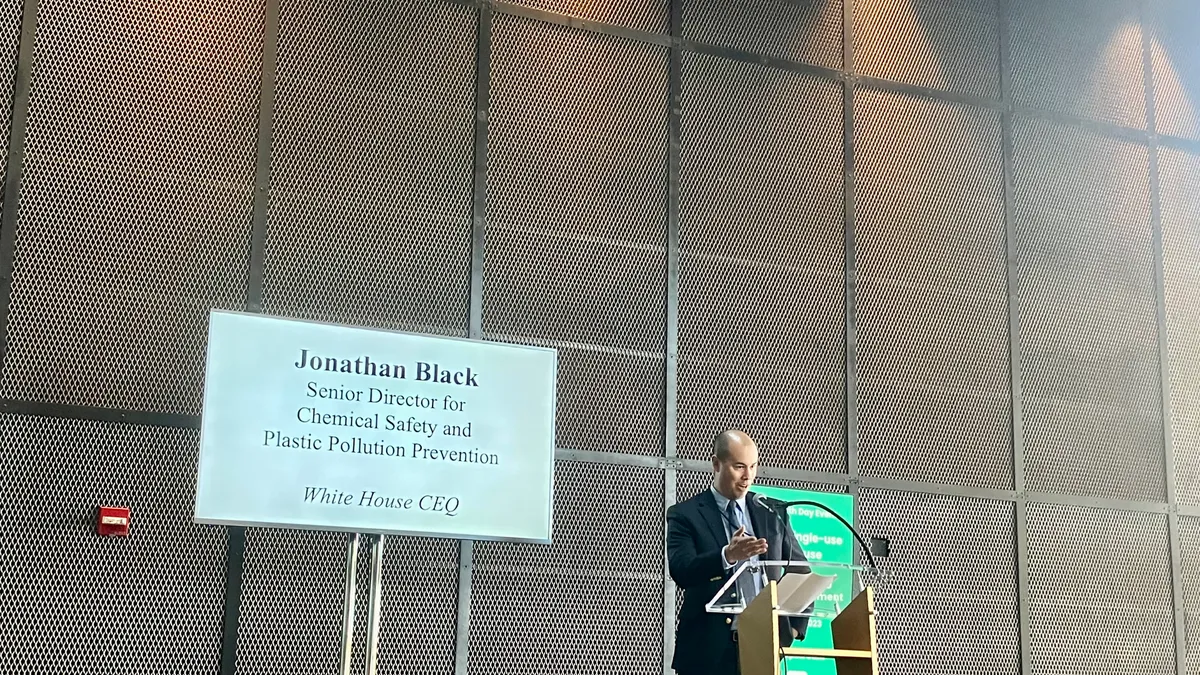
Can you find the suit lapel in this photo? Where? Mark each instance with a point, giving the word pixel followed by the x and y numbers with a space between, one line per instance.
pixel 708 511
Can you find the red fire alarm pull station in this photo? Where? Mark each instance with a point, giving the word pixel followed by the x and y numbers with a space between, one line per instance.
pixel 113 521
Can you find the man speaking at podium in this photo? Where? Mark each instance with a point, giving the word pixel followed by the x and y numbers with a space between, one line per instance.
pixel 707 537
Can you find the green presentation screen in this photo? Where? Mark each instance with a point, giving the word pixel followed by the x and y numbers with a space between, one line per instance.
pixel 824 539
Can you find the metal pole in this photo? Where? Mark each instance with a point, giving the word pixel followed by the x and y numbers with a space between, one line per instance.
pixel 348 614
pixel 375 599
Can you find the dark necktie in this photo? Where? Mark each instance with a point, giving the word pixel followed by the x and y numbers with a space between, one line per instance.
pixel 747 582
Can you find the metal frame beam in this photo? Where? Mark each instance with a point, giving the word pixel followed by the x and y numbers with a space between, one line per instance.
pixel 235 562
pixel 483 81
pixel 937 489
pixel 560 19
pixel 262 159
pixel 14 165
pixel 1164 371
pixel 674 109
pixel 850 273
pixel 1015 363
pixel 99 414
pixel 235 556
pixel 1131 505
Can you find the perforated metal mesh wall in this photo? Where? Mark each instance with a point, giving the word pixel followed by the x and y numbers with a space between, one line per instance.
pixel 135 199
pixel 371 170
pixel 1179 180
pixel 576 227
pixel 1080 57
pixel 593 601
pixel 291 607
pixel 1099 591
pixel 949 604
pixel 419 607
pixel 1175 55
pixel 810 32
pixel 761 283
pixel 646 15
pixel 136 217
pixel 292 603
pixel 1189 545
pixel 161 590
pixel 1089 342
pixel 949 46
pixel 933 400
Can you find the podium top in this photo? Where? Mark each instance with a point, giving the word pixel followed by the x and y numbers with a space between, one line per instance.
pixel 802 587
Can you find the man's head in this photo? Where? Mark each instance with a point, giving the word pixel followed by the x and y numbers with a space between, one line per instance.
pixel 735 463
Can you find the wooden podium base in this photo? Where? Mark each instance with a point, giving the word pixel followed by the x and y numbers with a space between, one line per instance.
pixel 854 647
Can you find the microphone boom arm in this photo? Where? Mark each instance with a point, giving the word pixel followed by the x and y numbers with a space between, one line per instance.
pixel 775 504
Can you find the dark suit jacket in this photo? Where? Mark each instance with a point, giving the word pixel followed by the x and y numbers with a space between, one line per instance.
pixel 695 536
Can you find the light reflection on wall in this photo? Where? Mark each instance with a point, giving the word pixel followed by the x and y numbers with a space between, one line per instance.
pixel 1085 65
pixel 1175 54
pixel 898 28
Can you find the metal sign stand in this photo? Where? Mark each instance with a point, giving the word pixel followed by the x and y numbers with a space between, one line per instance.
pixel 374 603
pixel 348 611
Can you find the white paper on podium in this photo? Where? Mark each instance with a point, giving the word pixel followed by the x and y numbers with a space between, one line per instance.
pixel 798 591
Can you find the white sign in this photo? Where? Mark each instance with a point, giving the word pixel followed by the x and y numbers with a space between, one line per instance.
pixel 316 426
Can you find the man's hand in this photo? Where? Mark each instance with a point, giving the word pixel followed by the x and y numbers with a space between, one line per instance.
pixel 742 547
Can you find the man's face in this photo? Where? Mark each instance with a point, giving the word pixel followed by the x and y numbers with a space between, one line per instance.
pixel 736 473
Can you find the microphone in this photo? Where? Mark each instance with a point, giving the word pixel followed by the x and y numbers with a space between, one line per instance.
pixel 779 507
pixel 771 505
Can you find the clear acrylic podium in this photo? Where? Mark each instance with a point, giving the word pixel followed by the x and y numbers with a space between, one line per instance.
pixel 759 648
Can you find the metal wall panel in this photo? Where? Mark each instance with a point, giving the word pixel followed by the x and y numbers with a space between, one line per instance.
pixel 136 216
pixel 135 199
pixel 949 46
pixel 10 34
pixel 646 15
pixel 761 318
pixel 1189 544
pixel 592 601
pixel 418 612
pixel 1179 180
pixel 81 603
pixel 575 246
pixel 950 602
pixel 1089 342
pixel 292 603
pixel 1175 53
pixel 291 609
pixel 371 165
pixel 809 32
pixel 1079 57
pixel 1099 592
pixel 934 402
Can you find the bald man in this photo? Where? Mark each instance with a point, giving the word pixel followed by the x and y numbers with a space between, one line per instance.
pixel 707 537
